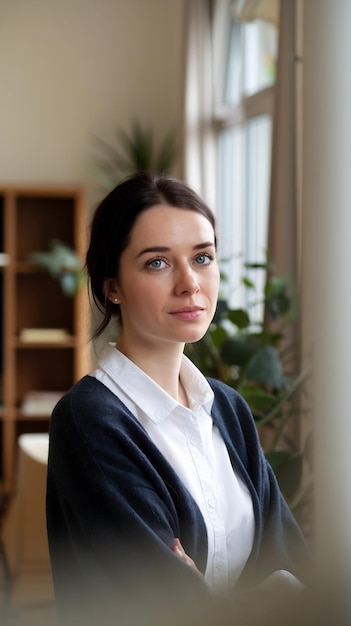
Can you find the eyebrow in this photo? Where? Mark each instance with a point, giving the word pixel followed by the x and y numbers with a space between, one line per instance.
pixel 198 246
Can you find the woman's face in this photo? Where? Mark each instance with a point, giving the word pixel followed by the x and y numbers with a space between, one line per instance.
pixel 168 278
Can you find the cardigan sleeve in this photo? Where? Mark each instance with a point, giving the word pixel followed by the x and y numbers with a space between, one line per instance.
pixel 112 518
pixel 279 543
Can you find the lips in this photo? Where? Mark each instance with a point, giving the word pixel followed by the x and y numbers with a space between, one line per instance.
pixel 188 312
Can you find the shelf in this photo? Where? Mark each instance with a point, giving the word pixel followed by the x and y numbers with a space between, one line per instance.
pixel 32 300
pixel 53 216
pixel 4 260
pixel 70 342
pixel 42 303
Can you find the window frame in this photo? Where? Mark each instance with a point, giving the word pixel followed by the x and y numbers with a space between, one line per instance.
pixel 237 115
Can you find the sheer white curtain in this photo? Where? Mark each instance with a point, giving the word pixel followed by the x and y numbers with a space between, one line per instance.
pixel 199 147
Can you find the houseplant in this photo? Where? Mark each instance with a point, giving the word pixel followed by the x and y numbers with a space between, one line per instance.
pixel 62 263
pixel 136 149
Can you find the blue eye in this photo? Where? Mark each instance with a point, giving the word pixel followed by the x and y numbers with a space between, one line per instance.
pixel 203 259
pixel 156 264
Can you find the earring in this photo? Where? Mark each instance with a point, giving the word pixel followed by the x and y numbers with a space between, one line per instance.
pixel 116 300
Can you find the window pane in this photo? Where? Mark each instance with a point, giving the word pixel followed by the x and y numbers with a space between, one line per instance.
pixel 251 59
pixel 260 53
pixel 258 149
pixel 230 214
pixel 233 76
pixel 242 208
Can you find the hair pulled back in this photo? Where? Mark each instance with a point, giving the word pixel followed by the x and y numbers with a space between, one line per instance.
pixel 114 219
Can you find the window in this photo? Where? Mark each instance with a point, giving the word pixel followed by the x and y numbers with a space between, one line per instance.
pixel 243 128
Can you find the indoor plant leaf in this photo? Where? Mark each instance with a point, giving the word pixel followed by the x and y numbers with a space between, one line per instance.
pixel 266 369
pixel 259 400
pixel 239 317
pixel 237 351
pixel 288 470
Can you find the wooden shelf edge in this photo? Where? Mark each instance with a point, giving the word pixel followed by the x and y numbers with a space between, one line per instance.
pixel 70 342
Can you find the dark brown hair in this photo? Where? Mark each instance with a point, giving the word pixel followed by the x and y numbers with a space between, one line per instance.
pixel 114 219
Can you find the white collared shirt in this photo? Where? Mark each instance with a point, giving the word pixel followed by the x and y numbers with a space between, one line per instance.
pixel 195 449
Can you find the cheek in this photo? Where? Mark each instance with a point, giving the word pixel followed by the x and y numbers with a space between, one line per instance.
pixel 212 282
pixel 142 294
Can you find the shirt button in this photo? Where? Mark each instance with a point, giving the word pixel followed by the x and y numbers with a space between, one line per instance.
pixel 193 441
pixel 218 566
pixel 211 502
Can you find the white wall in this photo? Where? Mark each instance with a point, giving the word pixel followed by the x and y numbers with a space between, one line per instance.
pixel 327 293
pixel 73 68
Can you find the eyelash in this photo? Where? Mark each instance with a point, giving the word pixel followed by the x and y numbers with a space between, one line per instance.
pixel 203 254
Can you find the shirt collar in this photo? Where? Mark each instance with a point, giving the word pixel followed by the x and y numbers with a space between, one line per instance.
pixel 146 394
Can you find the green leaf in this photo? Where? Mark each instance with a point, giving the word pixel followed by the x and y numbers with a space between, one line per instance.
pixel 276 458
pixel 221 311
pixel 166 153
pixel 62 263
pixel 218 336
pixel 239 317
pixel 266 338
pixel 265 368
pixel 237 351
pixel 259 400
pixel 248 283
pixel 276 285
pixel 288 470
pixel 257 266
pixel 138 146
pixel 278 296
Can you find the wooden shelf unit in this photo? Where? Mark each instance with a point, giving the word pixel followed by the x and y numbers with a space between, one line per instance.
pixel 30 218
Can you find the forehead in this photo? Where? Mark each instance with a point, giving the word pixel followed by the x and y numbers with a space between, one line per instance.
pixel 164 221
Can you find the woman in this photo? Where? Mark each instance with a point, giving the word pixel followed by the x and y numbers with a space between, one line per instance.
pixel 156 480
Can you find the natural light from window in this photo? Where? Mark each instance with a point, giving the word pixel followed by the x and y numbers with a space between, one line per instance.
pixel 244 138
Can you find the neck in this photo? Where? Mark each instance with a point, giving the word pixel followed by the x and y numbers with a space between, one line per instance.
pixel 162 365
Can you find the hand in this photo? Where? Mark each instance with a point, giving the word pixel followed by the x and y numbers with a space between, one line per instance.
pixel 180 552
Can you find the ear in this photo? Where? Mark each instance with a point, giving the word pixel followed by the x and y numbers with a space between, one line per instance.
pixel 111 291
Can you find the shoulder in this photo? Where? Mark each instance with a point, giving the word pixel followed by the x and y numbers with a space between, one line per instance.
pixel 87 393
pixel 88 407
pixel 90 426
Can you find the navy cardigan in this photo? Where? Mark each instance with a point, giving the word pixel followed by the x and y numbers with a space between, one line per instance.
pixel 115 505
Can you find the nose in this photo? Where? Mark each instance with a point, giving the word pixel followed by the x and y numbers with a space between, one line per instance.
pixel 186 281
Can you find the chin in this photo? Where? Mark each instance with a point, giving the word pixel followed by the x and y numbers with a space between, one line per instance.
pixel 190 334
pixel 194 337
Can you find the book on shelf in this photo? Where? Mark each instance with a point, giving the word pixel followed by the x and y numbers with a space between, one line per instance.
pixel 4 259
pixel 43 334
pixel 40 402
